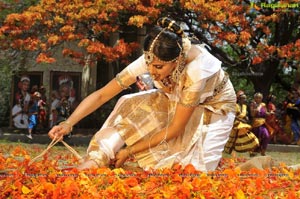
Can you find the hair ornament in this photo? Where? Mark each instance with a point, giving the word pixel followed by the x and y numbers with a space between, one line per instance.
pixel 170 25
pixel 186 45
pixel 149 55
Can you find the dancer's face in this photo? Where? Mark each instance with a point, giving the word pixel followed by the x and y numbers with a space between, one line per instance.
pixel 159 70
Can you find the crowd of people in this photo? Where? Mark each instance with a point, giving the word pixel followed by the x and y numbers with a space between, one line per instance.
pixel 259 123
pixel 63 101
pixel 32 110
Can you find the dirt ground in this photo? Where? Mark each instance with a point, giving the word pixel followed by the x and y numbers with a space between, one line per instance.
pixel 289 158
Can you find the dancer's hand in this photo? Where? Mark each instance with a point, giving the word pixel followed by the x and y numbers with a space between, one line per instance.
pixel 59 131
pixel 121 157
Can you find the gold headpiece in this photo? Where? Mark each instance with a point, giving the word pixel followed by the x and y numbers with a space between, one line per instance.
pixel 180 59
pixel 149 55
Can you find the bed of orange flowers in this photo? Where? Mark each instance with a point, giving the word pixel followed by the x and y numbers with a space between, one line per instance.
pixel 49 178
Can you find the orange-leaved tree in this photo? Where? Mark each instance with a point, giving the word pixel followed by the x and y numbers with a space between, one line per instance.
pixel 256 41
pixel 87 23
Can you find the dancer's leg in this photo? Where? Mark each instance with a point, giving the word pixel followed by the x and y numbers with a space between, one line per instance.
pixel 102 148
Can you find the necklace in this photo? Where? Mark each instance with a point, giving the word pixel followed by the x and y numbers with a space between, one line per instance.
pixel 168 84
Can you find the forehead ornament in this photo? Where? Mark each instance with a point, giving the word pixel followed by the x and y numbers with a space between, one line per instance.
pixel 149 55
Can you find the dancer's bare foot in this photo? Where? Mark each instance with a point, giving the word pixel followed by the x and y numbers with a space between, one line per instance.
pixel 95 159
pixel 260 162
pixel 294 167
pixel 88 164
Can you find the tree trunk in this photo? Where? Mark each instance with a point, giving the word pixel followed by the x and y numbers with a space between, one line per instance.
pixel 86 74
pixel 296 83
pixel 113 67
pixel 263 76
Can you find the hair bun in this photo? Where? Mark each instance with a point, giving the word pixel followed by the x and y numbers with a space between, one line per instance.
pixel 170 24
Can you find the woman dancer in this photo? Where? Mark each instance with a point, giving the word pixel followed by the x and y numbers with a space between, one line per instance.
pixel 186 119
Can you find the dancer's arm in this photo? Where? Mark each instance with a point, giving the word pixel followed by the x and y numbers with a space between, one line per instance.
pixel 87 106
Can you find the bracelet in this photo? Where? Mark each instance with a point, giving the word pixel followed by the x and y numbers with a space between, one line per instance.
pixel 67 123
pixel 129 149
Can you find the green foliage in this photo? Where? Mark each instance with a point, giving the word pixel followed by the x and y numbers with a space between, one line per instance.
pixel 242 84
pixel 283 83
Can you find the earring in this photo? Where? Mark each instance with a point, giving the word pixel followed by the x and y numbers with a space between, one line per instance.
pixel 178 70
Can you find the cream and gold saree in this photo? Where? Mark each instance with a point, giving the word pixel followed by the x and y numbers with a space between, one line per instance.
pixel 137 116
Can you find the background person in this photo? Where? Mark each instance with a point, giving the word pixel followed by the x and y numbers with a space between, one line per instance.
pixel 55 103
pixel 278 135
pixel 43 110
pixel 22 97
pixel 67 91
pixel 259 112
pixel 241 139
pixel 20 118
pixel 33 113
pixel 293 110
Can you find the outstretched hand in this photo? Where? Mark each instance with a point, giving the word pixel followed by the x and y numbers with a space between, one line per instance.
pixel 121 157
pixel 58 132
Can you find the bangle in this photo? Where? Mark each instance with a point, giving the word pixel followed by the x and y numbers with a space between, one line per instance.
pixel 129 149
pixel 68 124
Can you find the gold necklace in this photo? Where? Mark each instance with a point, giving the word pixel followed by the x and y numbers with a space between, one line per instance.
pixel 168 84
